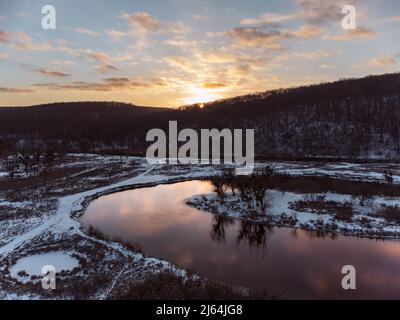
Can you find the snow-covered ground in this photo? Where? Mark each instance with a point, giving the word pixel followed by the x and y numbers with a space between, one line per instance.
pixel 39 221
pixel 279 211
pixel 373 172
pixel 29 266
pixel 54 230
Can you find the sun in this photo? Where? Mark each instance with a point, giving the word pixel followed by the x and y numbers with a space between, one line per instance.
pixel 200 96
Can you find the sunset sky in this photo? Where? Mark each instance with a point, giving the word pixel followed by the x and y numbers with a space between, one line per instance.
pixel 176 52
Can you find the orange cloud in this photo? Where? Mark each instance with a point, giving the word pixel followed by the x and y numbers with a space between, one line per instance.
pixel 200 17
pixel 180 62
pixel 256 37
pixel 116 35
pixel 360 33
pixel 86 32
pixel 395 19
pixel 322 11
pixel 143 22
pixel 382 61
pixel 15 90
pixel 52 73
pixel 212 85
pixel 25 42
pixel 103 60
pixel 268 18
pixel 4 36
pixel 107 84
pixel 3 55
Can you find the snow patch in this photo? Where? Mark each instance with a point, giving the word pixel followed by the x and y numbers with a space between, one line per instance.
pixel 32 265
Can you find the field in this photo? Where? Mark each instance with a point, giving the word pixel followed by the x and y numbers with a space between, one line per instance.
pixel 39 218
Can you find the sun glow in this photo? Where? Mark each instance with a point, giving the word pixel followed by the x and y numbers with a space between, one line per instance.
pixel 201 96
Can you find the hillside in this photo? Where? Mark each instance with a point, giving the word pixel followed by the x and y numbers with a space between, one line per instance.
pixel 346 119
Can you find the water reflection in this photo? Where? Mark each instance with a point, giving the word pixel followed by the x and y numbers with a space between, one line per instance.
pixel 254 235
pixel 250 235
pixel 247 254
pixel 217 232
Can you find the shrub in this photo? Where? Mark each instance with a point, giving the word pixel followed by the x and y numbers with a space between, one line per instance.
pixel 341 211
pixel 168 286
pixel 390 213
pixel 96 233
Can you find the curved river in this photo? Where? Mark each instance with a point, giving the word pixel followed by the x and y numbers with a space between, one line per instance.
pixel 243 253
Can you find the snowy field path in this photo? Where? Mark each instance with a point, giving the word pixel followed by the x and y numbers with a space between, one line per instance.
pixel 62 220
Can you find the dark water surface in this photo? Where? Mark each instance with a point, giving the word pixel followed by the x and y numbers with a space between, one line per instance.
pixel 243 253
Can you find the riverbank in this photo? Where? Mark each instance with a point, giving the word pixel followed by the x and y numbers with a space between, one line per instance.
pixel 41 218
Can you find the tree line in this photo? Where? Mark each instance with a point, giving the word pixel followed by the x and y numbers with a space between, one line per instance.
pixel 345 119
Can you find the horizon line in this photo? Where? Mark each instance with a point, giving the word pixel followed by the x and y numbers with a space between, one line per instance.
pixel 208 102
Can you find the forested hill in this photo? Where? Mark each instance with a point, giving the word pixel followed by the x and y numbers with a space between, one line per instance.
pixel 347 119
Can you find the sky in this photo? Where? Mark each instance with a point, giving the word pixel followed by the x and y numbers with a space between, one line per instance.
pixel 169 53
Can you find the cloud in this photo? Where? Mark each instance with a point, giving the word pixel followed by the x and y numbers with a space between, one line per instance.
pixel 256 37
pixel 326 66
pixel 143 25
pixel 307 31
pixel 98 56
pixel 86 32
pixel 64 62
pixel 378 62
pixel 360 33
pixel 383 61
pixel 63 46
pixel 134 82
pixel 23 14
pixel 4 36
pixel 116 35
pixel 25 43
pixel 313 55
pixel 123 57
pixel 104 61
pixel 216 57
pixel 143 22
pixel 52 73
pixel 394 19
pixel 178 28
pixel 107 84
pixel 103 68
pixel 181 43
pixel 212 85
pixel 180 62
pixel 316 12
pixel 2 18
pixel 322 11
pixel 15 90
pixel 199 17
pixel 22 41
pixel 267 18
pixel 3 55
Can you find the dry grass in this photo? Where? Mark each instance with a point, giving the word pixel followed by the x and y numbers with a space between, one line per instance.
pixel 168 286
pixel 390 213
pixel 96 233
pixel 341 211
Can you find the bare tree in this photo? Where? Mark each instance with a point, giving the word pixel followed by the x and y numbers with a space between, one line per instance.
pixel 11 165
